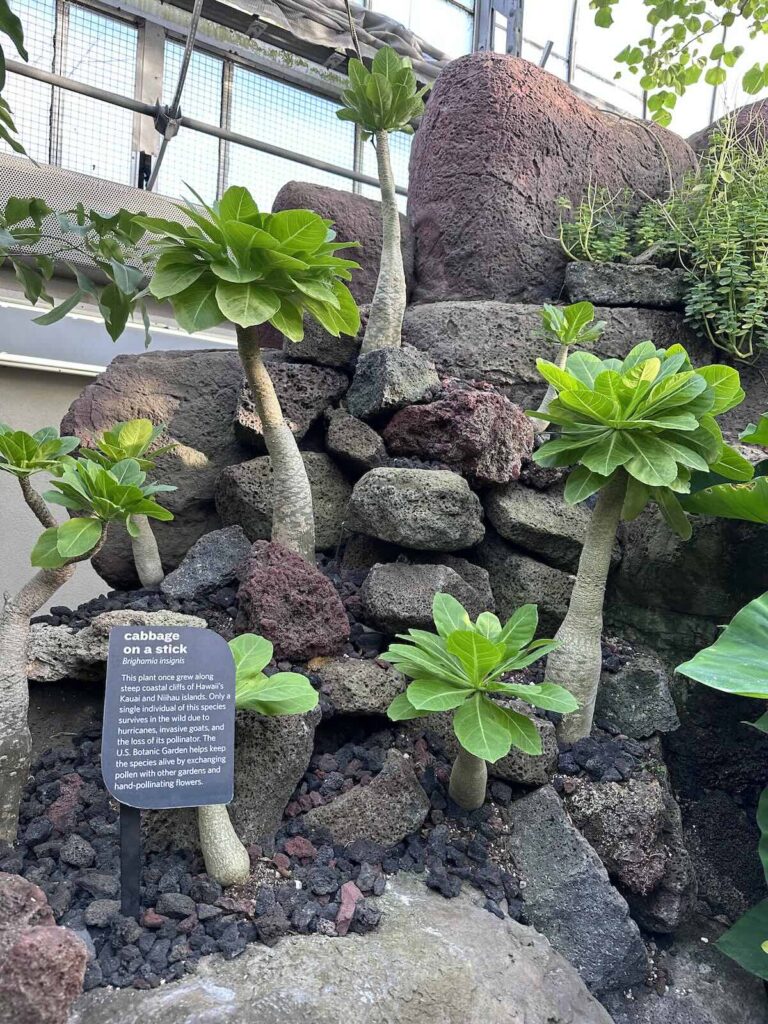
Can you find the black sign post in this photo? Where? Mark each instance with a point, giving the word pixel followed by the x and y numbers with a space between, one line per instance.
pixel 168 733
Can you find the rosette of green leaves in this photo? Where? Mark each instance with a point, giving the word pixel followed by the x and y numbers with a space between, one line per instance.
pixel 461 668
pixel 129 440
pixel 234 263
pixel 105 495
pixel 652 415
pixel 284 693
pixel 571 325
pixel 384 99
pixel 23 454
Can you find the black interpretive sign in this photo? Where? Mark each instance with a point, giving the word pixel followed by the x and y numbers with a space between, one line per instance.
pixel 169 717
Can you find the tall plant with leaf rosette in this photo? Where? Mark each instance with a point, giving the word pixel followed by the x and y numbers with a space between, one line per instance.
pixel 236 264
pixel 284 693
pixel 98 496
pixel 464 668
pixel 635 430
pixel 382 100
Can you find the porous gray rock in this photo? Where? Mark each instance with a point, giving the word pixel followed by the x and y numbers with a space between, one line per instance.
pixel 210 563
pixel 431 510
pixel 244 497
pixel 637 699
pixel 353 443
pixel 568 895
pixel 194 393
pixel 358 686
pixel 475 575
pixel 398 596
pixel 750 126
pixel 321 348
pixel 390 807
pixel 625 284
pixel 388 379
pixel 431 961
pixel 60 652
pixel 517 579
pixel 304 393
pixel 500 141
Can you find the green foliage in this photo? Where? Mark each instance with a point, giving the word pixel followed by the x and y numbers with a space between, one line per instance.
pixel 599 228
pixel 23 454
pixel 132 439
pixel 10 25
pixel 237 264
pixel 464 665
pixel 384 99
pixel 651 416
pixel 284 693
pixel 573 325
pixel 684 43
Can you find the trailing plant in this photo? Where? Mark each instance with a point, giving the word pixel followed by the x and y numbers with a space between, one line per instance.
pixel 381 100
pixel 10 25
pixel 635 430
pixel 463 668
pixel 135 439
pixel 599 228
pixel 284 693
pixel 100 496
pixel 568 327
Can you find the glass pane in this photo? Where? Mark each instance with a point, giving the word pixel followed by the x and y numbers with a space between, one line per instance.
pixel 447 25
pixel 291 118
pixel 400 152
pixel 545 21
pixel 731 95
pixel 97 138
pixel 31 101
pixel 192 158
pixel 595 55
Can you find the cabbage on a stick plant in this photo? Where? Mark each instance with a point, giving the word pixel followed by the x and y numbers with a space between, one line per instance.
pixel 284 693
pixel 98 496
pixel 635 430
pixel 463 668
pixel 382 100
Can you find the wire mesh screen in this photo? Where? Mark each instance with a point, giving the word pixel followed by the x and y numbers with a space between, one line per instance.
pixel 285 116
pixel 31 101
pixel 97 138
pixel 192 158
pixel 399 153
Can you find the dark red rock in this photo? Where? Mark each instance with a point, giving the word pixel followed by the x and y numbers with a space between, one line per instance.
pixel 350 895
pixel 476 431
pixel 291 603
pixel 298 846
pixel 151 919
pixel 751 125
pixel 62 813
pixel 501 139
pixel 22 904
pixel 41 974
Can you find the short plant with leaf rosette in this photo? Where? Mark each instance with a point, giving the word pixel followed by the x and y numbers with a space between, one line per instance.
pixel 635 430
pixel 463 668
pixel 283 693
pixel 22 455
pixel 381 100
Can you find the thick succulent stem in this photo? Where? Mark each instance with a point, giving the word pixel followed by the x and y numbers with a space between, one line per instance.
pixel 469 777
pixel 226 859
pixel 146 555
pixel 541 425
pixel 293 523
pixel 577 662
pixel 36 503
pixel 15 740
pixel 385 320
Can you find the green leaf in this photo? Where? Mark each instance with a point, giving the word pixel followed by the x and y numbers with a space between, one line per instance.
pixel 436 695
pixel 237 203
pixel 523 733
pixel 489 626
pixel 756 433
pixel 673 513
pixel 60 311
pixel 288 320
pixel 736 662
pixel 483 728
pixel 449 615
pixel 171 276
pixel 298 230
pixel 520 628
pixel 607 455
pixel 581 484
pixel 45 553
pixel 11 25
pixel 251 654
pixel 476 653
pixel 651 462
pixel 725 383
pixel 744 941
pixel 386 62
pixel 549 696
pixel 285 693
pixel 196 308
pixel 733 466
pixel 732 501
pixel 75 537
pixel 246 304
pixel 401 710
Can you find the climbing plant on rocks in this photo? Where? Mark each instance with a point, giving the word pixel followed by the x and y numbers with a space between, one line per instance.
pixel 635 430
pixel 463 668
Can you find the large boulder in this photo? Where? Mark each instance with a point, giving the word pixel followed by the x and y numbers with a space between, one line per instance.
pixel 291 603
pixel 398 596
pixel 388 379
pixel 354 444
pixel 751 125
pixel 244 497
pixel 500 141
pixel 432 961
pixel 476 431
pixel 636 699
pixel 358 686
pixel 212 562
pixel 625 284
pixel 194 393
pixel 429 510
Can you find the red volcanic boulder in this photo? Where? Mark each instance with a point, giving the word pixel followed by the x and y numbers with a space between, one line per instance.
pixel 474 430
pixel 751 125
pixel 501 139
pixel 291 603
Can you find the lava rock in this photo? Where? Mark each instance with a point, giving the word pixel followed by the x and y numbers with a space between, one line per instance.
pixel 359 687
pixel 321 348
pixel 304 393
pixel 476 431
pixel 244 497
pixel 77 851
pixel 389 808
pixel 399 596
pixel 41 974
pixel 353 443
pixel 175 904
pixel 99 913
pixel 637 700
pixel 211 563
pixel 431 510
pixel 388 379
pixel 625 284
pixel 291 603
